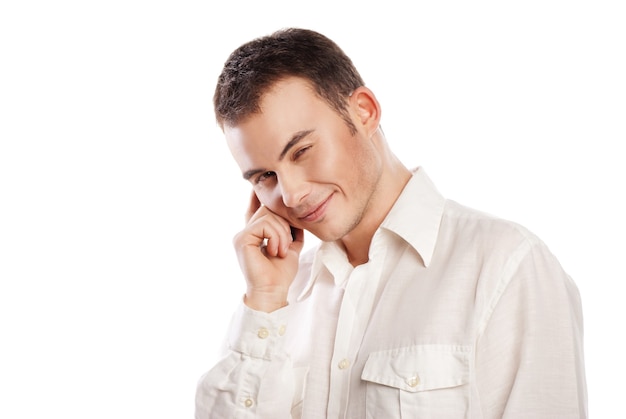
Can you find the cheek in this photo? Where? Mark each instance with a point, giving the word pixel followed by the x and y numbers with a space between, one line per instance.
pixel 343 165
pixel 331 165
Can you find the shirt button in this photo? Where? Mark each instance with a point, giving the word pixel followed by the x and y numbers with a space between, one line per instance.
pixel 281 330
pixel 263 333
pixel 343 364
pixel 413 381
pixel 248 403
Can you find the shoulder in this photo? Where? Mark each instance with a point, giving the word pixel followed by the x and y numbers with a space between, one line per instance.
pixel 484 241
pixel 500 248
pixel 478 226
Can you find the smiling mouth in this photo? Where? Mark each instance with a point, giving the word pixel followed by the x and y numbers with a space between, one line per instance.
pixel 317 213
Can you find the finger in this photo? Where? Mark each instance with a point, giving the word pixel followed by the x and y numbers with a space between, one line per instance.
pixel 278 235
pixel 268 231
pixel 253 206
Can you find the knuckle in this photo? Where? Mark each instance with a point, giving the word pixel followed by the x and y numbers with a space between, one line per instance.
pixel 237 239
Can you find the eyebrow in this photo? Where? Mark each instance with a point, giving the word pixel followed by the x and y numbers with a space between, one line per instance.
pixel 295 139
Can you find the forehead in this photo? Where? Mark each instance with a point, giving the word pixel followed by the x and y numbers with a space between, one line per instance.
pixel 288 107
pixel 286 93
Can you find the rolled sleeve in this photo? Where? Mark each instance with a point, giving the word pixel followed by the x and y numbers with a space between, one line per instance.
pixel 255 377
pixel 258 334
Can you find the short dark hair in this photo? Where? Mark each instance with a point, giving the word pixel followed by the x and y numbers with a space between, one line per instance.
pixel 253 68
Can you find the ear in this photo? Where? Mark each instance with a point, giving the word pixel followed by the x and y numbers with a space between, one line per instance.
pixel 367 109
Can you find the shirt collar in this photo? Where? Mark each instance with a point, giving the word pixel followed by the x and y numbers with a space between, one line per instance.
pixel 415 217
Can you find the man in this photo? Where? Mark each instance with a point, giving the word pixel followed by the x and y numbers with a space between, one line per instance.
pixel 412 305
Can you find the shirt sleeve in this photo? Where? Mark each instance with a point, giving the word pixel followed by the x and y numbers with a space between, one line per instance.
pixel 254 379
pixel 529 354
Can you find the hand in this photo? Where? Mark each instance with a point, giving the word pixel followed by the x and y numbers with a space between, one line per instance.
pixel 268 250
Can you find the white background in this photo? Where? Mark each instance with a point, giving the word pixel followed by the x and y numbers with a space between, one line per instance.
pixel 118 198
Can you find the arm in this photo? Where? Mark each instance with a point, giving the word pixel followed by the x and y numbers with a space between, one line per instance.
pixel 256 378
pixel 529 356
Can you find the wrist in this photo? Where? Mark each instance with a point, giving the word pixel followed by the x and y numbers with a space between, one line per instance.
pixel 265 301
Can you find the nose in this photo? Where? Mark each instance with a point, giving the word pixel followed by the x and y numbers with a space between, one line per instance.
pixel 293 190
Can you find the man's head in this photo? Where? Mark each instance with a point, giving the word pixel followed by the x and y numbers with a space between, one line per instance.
pixel 305 132
pixel 252 69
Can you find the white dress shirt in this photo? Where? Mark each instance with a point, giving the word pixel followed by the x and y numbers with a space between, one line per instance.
pixel 456 314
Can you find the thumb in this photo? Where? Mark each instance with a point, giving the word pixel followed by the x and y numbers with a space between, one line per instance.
pixel 253 206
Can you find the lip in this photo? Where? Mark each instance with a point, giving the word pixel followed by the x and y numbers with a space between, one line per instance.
pixel 317 213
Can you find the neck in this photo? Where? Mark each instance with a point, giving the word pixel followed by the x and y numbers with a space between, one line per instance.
pixel 393 180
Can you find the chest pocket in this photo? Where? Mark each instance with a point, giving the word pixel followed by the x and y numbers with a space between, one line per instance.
pixel 422 381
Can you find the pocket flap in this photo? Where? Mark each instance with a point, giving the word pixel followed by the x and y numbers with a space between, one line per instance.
pixel 419 368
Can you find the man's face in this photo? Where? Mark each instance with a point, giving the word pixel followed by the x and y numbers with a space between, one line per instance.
pixel 304 163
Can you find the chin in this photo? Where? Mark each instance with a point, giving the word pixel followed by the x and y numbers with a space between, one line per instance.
pixel 328 235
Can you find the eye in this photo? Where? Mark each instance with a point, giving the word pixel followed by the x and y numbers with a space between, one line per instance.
pixel 300 152
pixel 264 176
